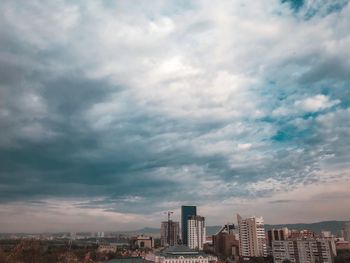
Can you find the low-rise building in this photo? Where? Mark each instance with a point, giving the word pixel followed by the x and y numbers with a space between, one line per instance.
pixel 180 254
pixel 107 248
pixel 144 242
pixel 111 247
pixel 342 245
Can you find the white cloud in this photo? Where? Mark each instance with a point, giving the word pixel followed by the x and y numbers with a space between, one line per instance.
pixel 244 146
pixel 316 103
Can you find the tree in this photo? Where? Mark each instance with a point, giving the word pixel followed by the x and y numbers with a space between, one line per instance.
pixel 3 257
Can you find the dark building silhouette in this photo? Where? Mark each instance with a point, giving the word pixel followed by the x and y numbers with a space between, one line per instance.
pixel 186 212
pixel 225 244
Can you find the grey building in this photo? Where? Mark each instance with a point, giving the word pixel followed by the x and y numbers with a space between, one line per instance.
pixel 169 233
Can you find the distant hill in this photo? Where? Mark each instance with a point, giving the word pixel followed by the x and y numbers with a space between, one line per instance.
pixel 211 230
pixel 151 231
pixel 334 226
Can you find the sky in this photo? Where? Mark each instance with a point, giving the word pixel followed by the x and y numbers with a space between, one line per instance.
pixel 113 112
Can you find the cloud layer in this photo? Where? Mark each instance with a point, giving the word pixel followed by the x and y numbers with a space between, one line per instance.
pixel 124 110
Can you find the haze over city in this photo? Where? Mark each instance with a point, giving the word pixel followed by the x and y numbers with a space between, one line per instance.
pixel 112 112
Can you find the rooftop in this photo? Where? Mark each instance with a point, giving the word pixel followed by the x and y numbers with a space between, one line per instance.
pixel 180 250
pixel 127 260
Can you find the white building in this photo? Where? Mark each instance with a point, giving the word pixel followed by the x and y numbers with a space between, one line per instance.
pixel 196 235
pixel 252 241
pixel 303 251
pixel 180 254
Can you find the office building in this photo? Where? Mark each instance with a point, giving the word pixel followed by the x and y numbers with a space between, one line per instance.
pixel 107 248
pixel 303 251
pixel 196 236
pixel 186 212
pixel 169 233
pixel 252 241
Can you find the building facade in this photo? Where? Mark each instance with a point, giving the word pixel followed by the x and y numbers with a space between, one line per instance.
pixel 180 254
pixel 252 242
pixel 303 251
pixel 276 234
pixel 196 236
pixel 186 212
pixel 284 249
pixel 169 233
pixel 144 242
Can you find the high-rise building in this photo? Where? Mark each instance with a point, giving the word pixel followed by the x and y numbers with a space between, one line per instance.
pixel 303 251
pixel 252 241
pixel 186 212
pixel 169 233
pixel 196 236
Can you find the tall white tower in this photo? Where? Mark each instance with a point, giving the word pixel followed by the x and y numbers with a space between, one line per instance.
pixel 196 234
pixel 252 242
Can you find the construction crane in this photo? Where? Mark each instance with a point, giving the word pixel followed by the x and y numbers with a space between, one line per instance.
pixel 169 214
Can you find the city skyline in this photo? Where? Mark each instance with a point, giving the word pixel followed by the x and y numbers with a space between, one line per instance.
pixel 112 112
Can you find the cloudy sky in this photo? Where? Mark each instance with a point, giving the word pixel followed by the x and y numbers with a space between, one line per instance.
pixel 112 112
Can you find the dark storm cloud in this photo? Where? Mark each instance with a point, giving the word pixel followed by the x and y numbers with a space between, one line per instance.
pixel 333 68
pixel 126 117
pixel 321 8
